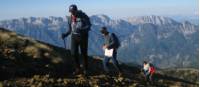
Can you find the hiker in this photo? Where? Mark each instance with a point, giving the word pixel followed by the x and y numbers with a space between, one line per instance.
pixel 148 70
pixel 79 27
pixel 111 42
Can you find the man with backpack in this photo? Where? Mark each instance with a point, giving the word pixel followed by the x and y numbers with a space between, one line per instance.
pixel 111 43
pixel 79 26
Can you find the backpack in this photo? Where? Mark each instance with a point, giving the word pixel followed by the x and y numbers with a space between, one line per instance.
pixel 152 69
pixel 117 41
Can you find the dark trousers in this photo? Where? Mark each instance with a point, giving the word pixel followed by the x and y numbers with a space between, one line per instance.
pixel 148 76
pixel 114 61
pixel 82 43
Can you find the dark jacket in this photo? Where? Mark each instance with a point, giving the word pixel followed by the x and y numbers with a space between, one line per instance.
pixel 84 26
pixel 111 41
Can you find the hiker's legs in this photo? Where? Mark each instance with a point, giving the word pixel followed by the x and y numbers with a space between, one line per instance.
pixel 146 74
pixel 84 50
pixel 148 77
pixel 115 62
pixel 105 64
pixel 151 77
pixel 75 52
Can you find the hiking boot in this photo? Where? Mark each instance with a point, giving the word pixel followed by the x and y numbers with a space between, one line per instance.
pixel 120 74
pixel 85 72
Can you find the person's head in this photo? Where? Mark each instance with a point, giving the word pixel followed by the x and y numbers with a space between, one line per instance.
pixel 144 62
pixel 73 9
pixel 151 65
pixel 104 31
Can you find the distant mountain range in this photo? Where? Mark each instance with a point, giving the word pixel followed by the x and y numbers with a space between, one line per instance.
pixel 160 40
pixel 192 19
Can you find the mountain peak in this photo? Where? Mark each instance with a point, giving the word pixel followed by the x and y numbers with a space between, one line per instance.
pixel 103 16
pixel 96 19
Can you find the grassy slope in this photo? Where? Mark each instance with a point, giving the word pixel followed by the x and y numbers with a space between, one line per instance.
pixel 27 62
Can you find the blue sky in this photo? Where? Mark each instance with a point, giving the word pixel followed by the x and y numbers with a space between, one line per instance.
pixel 114 8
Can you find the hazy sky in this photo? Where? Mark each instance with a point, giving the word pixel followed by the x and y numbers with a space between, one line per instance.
pixel 114 8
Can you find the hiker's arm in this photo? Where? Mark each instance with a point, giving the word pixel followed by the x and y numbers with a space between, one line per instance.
pixel 69 28
pixel 68 31
pixel 149 70
pixel 111 43
pixel 87 22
